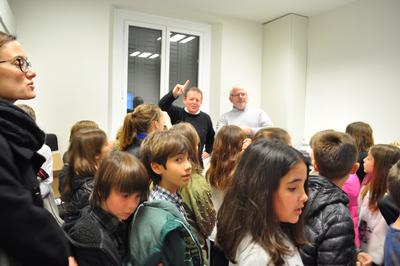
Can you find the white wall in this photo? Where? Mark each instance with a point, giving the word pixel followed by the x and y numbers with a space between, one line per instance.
pixel 241 61
pixel 354 68
pixel 69 44
pixel 7 21
pixel 284 73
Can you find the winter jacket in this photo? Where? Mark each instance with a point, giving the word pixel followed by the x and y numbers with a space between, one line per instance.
pixel 98 238
pixel 352 188
pixel 29 235
pixel 160 234
pixel 81 187
pixel 199 207
pixel 328 225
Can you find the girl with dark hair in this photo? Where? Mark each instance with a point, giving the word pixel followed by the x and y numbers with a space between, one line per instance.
pixel 363 136
pixel 372 226
pixel 227 150
pixel 260 221
pixel 99 237
pixel 86 150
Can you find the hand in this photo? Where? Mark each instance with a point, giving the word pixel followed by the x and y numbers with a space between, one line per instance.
pixel 364 259
pixel 72 261
pixel 246 143
pixel 247 130
pixel 205 155
pixel 179 89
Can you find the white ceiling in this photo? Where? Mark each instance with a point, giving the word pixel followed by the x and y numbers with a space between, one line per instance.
pixel 253 10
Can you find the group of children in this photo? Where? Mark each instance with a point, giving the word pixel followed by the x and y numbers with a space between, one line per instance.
pixel 147 201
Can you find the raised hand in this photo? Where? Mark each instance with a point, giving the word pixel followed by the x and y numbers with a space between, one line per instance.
pixel 179 89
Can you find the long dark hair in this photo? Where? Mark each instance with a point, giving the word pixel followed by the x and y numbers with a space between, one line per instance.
pixel 385 156
pixel 227 150
pixel 247 208
pixel 362 134
pixel 85 146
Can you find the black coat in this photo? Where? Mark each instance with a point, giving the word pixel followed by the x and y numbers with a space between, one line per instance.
pixel 29 235
pixel 97 238
pixel 328 225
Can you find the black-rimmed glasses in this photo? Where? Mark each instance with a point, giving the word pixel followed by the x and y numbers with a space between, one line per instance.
pixel 20 62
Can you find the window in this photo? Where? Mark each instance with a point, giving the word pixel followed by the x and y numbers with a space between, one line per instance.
pixel 150 55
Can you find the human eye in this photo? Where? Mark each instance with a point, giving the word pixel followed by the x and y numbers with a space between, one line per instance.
pixel 292 189
pixel 124 195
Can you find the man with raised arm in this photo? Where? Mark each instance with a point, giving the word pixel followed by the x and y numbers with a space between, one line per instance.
pixel 192 99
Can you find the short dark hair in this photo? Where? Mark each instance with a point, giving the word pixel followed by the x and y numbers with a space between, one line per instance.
pixel 123 172
pixel 187 130
pixel 393 183
pixel 334 153
pixel 161 145
pixel 193 89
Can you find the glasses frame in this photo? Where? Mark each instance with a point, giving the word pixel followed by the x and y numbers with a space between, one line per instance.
pixel 243 94
pixel 23 64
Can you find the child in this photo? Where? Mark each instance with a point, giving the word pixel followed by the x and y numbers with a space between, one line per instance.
pixel 352 189
pixel 274 133
pixel 258 222
pixel 144 119
pixel 160 232
pixel 80 125
pixel 99 237
pixel 45 174
pixel 197 194
pixel 227 150
pixel 372 226
pixel 328 224
pixel 85 152
pixel 392 248
pixel 363 136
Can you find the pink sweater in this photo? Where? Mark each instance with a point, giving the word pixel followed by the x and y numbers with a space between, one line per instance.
pixel 352 189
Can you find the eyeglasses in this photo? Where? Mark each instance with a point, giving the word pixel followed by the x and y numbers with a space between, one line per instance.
pixel 242 94
pixel 21 62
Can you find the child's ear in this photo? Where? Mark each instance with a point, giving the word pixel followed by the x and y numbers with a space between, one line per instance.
pixel 157 168
pixel 354 168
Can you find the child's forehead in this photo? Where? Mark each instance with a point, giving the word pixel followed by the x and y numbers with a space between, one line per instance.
pixel 181 153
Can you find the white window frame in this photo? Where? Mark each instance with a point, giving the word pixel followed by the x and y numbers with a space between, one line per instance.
pixel 119 78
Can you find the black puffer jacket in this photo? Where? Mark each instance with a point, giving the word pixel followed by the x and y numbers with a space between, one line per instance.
pixel 29 235
pixel 328 225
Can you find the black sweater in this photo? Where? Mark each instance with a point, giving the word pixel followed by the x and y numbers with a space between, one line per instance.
pixel 201 122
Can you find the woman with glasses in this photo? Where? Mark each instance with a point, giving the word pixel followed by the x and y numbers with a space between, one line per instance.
pixel 29 234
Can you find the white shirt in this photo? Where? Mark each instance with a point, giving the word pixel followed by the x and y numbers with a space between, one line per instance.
pixel 250 253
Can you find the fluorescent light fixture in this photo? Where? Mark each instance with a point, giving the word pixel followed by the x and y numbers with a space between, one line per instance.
pixel 135 53
pixel 177 37
pixel 159 39
pixel 154 56
pixel 144 55
pixel 188 39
